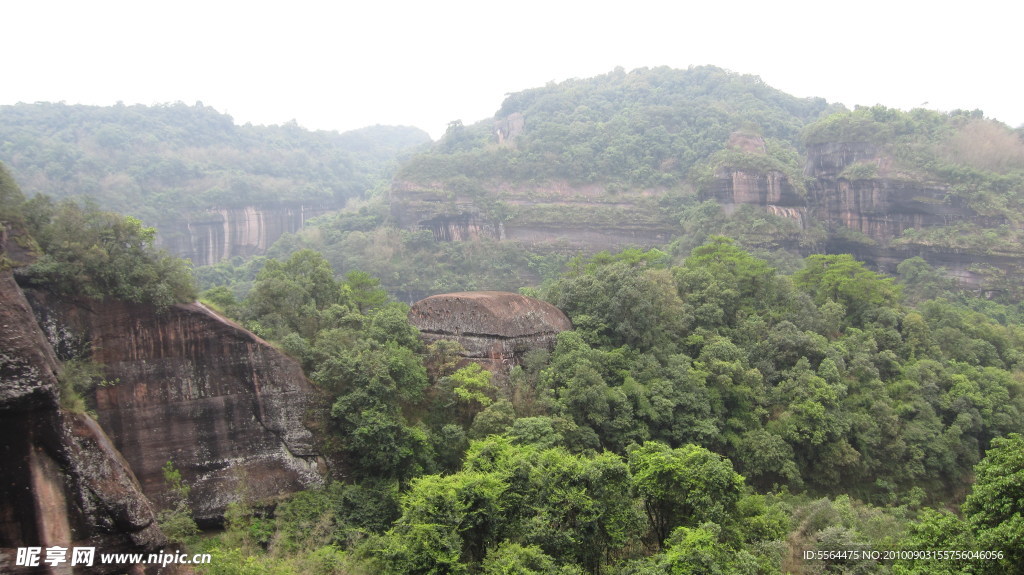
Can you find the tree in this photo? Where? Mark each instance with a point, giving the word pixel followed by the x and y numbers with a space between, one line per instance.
pixel 699 551
pixel 680 487
pixel 364 290
pixel 842 279
pixel 512 558
pixel 176 520
pixel 994 510
pixel 627 299
pixel 471 390
pixel 294 295
pixel 90 252
pixel 439 511
pixel 11 198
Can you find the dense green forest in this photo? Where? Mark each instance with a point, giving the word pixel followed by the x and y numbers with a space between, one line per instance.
pixel 642 129
pixel 147 161
pixel 733 401
pixel 77 249
pixel 707 414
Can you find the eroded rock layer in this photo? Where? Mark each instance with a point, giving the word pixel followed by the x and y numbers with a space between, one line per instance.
pixel 551 213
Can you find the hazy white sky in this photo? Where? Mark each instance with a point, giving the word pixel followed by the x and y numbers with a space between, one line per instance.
pixel 345 65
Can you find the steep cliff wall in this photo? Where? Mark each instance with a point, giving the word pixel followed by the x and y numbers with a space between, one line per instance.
pixel 192 388
pixel 856 186
pixel 867 204
pixel 882 203
pixel 62 483
pixel 210 236
pixel 495 328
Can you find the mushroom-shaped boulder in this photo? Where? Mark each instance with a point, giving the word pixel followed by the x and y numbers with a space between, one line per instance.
pixel 497 327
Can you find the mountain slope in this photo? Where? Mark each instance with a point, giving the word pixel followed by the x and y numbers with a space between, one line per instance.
pixel 212 188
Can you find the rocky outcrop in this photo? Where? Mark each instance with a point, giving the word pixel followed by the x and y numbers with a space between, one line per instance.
pixel 857 186
pixel 62 482
pixel 878 201
pixel 213 235
pixel 507 129
pixel 867 205
pixel 735 186
pixel 186 386
pixel 494 328
pixel 449 216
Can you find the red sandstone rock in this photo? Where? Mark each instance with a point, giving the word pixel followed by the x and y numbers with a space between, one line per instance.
pixel 62 482
pixel 190 387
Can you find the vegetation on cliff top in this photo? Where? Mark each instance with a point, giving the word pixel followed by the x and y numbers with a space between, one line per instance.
pixel 80 250
pixel 973 162
pixel 642 129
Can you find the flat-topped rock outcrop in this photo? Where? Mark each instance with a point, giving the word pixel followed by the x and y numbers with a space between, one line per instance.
pixel 493 327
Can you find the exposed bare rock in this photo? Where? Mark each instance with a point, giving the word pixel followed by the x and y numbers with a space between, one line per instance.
pixel 190 387
pixel 62 483
pixel 448 216
pixel 883 204
pixel 495 328
pixel 213 235
pixel 508 129
pixel 771 189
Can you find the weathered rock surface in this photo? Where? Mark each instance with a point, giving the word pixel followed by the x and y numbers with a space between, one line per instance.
pixel 866 215
pixel 213 235
pixel 495 328
pixel 190 387
pixel 888 204
pixel 881 207
pixel 62 483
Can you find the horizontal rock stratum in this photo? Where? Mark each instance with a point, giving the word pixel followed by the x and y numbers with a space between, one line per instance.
pixel 494 326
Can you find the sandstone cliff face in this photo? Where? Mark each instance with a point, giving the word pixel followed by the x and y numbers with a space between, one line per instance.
pixel 214 235
pixel 448 216
pixel 867 205
pixel 62 483
pixel 883 206
pixel 189 387
pixel 770 190
pixel 886 204
pixel 495 328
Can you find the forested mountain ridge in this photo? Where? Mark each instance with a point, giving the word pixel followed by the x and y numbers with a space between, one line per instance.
pixel 620 159
pixel 579 166
pixel 602 161
pixel 212 188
